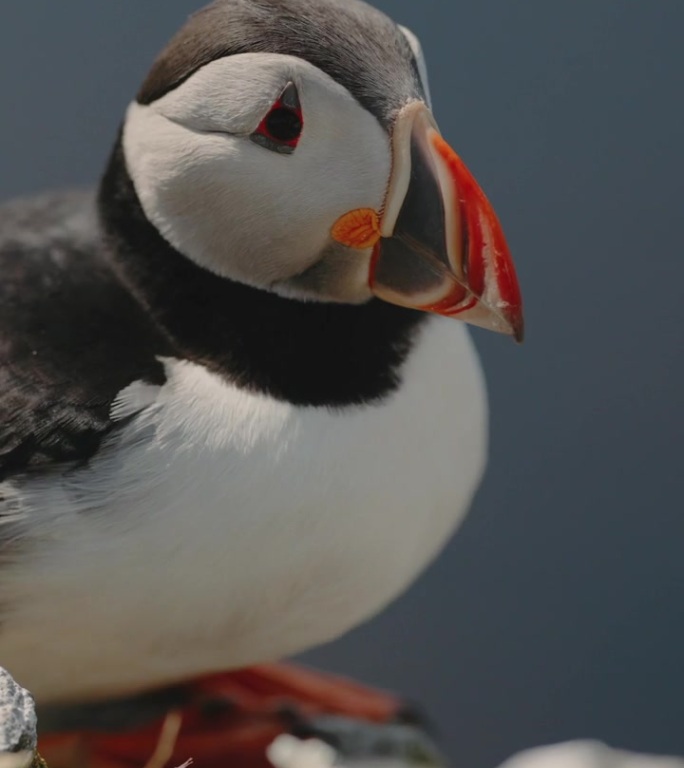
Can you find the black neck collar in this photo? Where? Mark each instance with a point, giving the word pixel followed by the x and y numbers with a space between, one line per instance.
pixel 305 353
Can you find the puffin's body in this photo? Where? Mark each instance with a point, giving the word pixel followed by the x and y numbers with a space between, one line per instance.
pixel 219 445
pixel 214 526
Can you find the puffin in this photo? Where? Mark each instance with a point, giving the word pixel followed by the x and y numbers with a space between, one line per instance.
pixel 238 412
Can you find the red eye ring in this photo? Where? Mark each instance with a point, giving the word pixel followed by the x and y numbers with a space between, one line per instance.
pixel 281 129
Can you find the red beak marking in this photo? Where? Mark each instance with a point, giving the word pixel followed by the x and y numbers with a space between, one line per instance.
pixel 482 230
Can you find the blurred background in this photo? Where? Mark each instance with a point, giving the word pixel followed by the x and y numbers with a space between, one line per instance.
pixel 557 610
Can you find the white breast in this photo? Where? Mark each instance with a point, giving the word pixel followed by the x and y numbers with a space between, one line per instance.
pixel 225 528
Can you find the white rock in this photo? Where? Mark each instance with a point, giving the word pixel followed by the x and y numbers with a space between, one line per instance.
pixel 17 716
pixel 290 752
pixel 588 754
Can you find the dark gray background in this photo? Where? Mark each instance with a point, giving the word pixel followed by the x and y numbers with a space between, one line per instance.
pixel 557 610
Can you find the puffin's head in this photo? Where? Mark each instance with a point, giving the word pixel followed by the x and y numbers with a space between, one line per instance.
pixel 290 146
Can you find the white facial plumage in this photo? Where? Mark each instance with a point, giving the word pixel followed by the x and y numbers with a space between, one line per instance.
pixel 246 212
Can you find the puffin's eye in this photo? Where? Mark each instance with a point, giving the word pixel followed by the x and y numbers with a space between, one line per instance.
pixel 282 127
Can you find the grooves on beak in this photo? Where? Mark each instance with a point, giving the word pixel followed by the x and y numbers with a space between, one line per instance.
pixel 442 248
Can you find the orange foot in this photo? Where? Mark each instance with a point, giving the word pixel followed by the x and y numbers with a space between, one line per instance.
pixel 231 719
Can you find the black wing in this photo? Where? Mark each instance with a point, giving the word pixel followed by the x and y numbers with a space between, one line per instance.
pixel 71 337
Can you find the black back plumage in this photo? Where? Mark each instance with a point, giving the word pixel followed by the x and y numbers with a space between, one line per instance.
pixel 71 338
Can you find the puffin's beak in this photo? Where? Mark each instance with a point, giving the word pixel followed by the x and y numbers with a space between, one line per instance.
pixel 441 247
